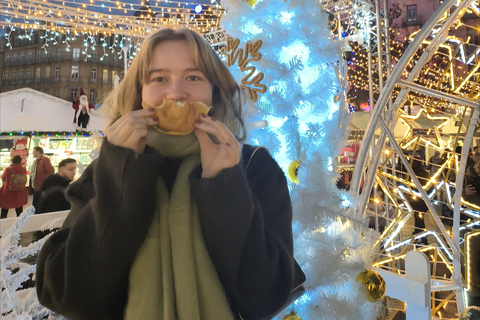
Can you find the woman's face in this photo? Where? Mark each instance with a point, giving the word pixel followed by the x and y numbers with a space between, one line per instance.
pixel 174 75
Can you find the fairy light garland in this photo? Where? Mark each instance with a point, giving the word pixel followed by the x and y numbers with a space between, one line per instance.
pixel 46 134
pixel 134 20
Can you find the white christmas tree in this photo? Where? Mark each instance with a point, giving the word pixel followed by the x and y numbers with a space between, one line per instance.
pixel 296 119
pixel 16 302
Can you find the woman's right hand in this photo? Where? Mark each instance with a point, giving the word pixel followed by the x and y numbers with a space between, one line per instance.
pixel 131 130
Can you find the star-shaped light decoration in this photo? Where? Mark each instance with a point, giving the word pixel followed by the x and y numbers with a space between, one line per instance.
pixel 423 121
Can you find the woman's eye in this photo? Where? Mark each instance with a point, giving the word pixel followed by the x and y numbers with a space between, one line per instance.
pixel 193 78
pixel 159 79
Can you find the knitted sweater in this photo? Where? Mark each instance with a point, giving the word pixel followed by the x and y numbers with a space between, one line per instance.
pixel 83 269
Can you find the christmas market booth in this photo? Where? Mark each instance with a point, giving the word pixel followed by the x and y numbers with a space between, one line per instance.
pixel 29 118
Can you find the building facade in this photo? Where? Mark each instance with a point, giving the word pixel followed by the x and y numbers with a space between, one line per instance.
pixel 60 69
pixel 408 16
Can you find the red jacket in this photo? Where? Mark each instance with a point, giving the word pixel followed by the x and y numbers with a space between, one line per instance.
pixel 10 199
pixel 43 170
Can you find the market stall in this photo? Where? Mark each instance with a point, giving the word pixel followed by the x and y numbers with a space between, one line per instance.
pixel 30 118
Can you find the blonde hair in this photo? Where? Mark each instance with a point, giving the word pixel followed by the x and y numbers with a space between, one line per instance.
pixel 226 97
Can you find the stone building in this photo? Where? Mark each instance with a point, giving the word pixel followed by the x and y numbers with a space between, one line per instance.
pixel 61 68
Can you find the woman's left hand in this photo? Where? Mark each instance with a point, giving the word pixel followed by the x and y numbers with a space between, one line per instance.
pixel 216 157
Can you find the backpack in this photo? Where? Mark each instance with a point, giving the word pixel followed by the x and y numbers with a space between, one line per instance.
pixel 17 182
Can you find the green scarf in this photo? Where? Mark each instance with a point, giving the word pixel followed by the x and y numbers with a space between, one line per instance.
pixel 172 276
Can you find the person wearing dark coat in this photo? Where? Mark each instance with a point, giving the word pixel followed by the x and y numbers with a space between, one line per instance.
pixel 471 186
pixel 418 204
pixel 52 196
pixel 12 199
pixel 170 224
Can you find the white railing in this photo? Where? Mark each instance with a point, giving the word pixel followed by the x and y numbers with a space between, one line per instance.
pixel 35 222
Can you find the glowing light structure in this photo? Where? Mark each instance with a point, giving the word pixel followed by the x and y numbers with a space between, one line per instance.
pixel 403 187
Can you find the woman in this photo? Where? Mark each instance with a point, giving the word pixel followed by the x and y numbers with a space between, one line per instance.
pixel 10 199
pixel 173 227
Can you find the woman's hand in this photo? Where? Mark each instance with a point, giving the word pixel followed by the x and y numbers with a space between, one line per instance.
pixel 216 157
pixel 131 130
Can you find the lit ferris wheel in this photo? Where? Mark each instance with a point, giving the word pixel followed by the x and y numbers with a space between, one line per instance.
pixel 438 75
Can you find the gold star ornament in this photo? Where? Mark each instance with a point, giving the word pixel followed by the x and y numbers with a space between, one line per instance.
pixel 423 127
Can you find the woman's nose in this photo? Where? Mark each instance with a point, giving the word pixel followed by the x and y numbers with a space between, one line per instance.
pixel 177 91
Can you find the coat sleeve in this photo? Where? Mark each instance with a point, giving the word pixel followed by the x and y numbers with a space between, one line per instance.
pixel 246 218
pixel 5 174
pixel 82 270
pixel 47 164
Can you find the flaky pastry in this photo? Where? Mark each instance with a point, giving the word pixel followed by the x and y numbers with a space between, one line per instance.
pixel 178 118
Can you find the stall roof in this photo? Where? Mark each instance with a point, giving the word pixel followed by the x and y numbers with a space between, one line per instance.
pixel 28 110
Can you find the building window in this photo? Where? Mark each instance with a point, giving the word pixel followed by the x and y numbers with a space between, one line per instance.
pixel 92 95
pixel 47 72
pixel 29 74
pixel 5 76
pixel 7 58
pixel 411 11
pixel 29 55
pixel 38 72
pixel 39 54
pixel 15 57
pixel 76 54
pixel 474 37
pixel 73 93
pixel 114 73
pixel 93 73
pixel 22 56
pixel 20 75
pixel 57 72
pixel 74 73
pixel 59 53
pixel 13 75
pixel 56 92
pixel 105 75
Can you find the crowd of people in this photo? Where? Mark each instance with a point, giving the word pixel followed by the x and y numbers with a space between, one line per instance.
pixel 48 189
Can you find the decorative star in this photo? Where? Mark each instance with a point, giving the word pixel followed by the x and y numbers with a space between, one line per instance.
pixel 422 121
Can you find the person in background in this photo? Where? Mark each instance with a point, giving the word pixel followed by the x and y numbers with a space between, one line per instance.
pixel 471 186
pixel 52 196
pixel 376 207
pixel 435 162
pixel 476 154
pixel 470 161
pixel 40 170
pixel 400 170
pixel 17 197
pixel 418 204
pixel 162 226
